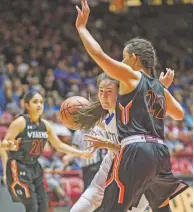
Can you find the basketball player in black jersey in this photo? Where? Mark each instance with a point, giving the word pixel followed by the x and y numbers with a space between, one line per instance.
pixel 143 163
pixel 23 171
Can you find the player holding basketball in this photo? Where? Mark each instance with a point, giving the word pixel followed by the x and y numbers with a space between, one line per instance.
pixel 107 95
pixel 24 173
pixel 143 163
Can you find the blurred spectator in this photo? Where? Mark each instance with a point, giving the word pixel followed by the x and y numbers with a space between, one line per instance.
pixel 51 163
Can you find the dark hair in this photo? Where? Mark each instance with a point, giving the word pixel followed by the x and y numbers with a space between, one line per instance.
pixel 146 52
pixel 91 115
pixel 27 97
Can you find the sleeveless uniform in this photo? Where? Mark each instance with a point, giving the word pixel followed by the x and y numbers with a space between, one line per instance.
pixel 93 196
pixel 24 173
pixel 143 164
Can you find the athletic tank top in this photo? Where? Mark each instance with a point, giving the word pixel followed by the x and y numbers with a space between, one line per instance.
pixel 142 111
pixel 33 139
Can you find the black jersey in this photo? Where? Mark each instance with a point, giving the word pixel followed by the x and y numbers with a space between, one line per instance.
pixel 33 139
pixel 142 111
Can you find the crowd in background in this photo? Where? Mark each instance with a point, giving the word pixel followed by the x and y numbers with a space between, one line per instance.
pixel 40 50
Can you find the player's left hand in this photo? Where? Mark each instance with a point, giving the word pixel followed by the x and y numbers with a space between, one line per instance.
pixel 83 14
pixel 167 79
pixel 86 155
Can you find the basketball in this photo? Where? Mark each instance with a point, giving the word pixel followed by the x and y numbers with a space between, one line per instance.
pixel 69 107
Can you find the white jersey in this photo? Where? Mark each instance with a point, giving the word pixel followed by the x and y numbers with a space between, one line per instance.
pixel 92 197
pixel 111 128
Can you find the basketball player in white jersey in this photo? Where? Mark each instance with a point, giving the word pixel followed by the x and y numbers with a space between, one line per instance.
pixel 91 199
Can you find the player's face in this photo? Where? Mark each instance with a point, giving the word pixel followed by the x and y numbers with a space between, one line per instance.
pixel 36 105
pixel 107 94
pixel 129 59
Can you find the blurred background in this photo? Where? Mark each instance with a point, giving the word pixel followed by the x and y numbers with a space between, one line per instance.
pixel 40 50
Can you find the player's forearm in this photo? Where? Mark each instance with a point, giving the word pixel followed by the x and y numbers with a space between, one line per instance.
pixel 91 45
pixel 114 147
pixel 68 150
pixel 108 144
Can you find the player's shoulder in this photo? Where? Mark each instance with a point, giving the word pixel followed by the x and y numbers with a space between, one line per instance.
pixel 19 122
pixel 46 123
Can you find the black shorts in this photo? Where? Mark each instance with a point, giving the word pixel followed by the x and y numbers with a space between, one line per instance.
pixel 140 168
pixel 89 173
pixel 25 183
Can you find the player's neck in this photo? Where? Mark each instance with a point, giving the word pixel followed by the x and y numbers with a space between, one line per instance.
pixel 110 111
pixel 34 119
pixel 145 71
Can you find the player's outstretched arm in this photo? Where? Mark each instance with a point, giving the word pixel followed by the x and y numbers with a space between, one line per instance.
pixel 99 142
pixel 113 68
pixel 61 147
pixel 173 108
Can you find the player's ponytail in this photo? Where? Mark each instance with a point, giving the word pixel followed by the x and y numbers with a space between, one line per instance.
pixel 91 115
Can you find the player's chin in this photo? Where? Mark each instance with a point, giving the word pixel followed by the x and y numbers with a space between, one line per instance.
pixel 39 112
pixel 106 106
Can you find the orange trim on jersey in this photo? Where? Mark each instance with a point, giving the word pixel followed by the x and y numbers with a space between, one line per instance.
pixel 127 116
pixel 125 112
pixel 166 202
pixel 14 170
pixel 122 113
pixel 18 143
pixel 109 181
pixel 115 176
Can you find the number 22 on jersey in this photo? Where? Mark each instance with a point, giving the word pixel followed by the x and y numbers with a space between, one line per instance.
pixel 155 104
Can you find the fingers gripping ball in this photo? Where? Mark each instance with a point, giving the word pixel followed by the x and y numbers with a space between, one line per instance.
pixel 69 107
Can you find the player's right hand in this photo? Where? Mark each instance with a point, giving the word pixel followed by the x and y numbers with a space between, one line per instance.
pixel 82 14
pixel 10 145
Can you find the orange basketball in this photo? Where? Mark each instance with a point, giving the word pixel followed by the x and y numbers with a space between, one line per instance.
pixel 69 107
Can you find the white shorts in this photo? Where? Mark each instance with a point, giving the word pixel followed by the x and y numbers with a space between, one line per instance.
pixel 92 198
